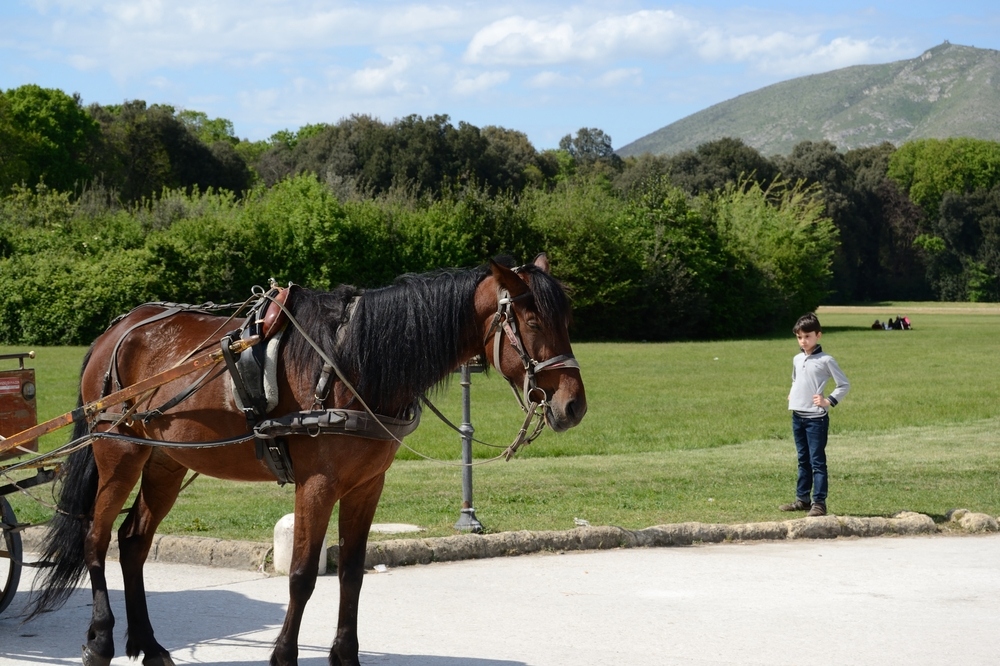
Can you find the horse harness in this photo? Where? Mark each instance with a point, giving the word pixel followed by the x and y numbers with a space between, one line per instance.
pixel 251 375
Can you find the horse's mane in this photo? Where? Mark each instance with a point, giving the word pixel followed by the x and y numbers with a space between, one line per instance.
pixel 403 339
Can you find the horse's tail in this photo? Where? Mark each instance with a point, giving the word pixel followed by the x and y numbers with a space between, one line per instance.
pixel 62 556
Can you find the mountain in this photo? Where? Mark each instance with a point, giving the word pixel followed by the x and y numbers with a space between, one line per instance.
pixel 948 91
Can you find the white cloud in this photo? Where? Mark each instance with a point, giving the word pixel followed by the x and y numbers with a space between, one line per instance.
pixel 420 20
pixel 721 44
pixel 387 79
pixel 550 79
pixel 519 41
pixel 256 100
pixel 845 51
pixel 142 12
pixel 471 85
pixel 161 82
pixel 782 53
pixel 83 63
pixel 618 77
pixel 516 40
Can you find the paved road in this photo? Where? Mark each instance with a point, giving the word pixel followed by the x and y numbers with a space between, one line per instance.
pixel 904 600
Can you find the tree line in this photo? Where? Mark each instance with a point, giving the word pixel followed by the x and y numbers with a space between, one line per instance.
pixel 104 207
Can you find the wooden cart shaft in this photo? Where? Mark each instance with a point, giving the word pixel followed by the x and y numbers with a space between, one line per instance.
pixel 129 392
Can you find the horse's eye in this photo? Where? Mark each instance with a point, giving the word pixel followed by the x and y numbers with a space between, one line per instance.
pixel 534 324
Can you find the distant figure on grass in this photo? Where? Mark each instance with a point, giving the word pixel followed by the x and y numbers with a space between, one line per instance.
pixel 897 324
pixel 811 370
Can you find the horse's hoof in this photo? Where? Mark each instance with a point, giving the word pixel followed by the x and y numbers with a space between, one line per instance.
pixel 91 658
pixel 162 659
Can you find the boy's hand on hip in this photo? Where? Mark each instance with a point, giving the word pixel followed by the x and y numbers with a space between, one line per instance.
pixel 820 401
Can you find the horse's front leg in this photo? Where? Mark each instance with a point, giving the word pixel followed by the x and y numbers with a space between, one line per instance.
pixel 314 500
pixel 357 509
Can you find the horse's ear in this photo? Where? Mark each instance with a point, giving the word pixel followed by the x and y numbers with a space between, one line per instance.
pixel 508 279
pixel 542 262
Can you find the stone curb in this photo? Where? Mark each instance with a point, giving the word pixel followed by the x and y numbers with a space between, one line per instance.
pixel 403 552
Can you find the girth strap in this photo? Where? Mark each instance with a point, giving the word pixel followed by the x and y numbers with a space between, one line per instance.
pixel 338 422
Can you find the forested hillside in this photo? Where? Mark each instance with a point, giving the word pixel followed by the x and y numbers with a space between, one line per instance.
pixel 948 91
pixel 105 207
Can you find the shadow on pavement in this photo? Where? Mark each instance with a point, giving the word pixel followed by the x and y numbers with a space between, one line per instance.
pixel 196 626
pixel 182 620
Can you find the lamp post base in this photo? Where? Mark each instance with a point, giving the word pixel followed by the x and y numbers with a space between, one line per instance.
pixel 467 522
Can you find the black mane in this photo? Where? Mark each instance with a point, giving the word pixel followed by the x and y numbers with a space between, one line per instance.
pixel 403 339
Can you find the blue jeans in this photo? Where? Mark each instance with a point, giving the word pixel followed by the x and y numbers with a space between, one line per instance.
pixel 810 443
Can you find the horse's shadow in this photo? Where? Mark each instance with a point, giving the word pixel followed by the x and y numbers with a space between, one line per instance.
pixel 207 627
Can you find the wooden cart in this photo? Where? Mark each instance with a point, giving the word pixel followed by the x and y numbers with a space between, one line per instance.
pixel 17 412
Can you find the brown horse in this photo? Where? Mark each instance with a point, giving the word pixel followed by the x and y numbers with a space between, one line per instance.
pixel 392 344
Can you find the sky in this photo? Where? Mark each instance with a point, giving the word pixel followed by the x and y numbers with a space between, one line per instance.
pixel 544 67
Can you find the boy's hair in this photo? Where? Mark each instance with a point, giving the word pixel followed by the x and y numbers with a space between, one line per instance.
pixel 807 323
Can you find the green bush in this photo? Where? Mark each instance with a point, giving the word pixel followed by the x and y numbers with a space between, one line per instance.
pixel 783 246
pixel 682 262
pixel 60 299
pixel 655 265
pixel 592 251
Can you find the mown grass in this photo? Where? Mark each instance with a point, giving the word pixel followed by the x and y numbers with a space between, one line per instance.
pixel 677 432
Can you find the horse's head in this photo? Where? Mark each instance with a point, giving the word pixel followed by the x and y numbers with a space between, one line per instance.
pixel 527 340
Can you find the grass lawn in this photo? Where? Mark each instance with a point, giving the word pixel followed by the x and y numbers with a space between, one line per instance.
pixel 675 432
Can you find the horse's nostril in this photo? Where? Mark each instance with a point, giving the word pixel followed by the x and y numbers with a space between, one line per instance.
pixel 575 410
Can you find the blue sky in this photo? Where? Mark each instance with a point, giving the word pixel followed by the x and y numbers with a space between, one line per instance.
pixel 544 67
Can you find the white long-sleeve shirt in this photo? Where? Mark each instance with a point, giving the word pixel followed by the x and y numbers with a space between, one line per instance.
pixel 810 373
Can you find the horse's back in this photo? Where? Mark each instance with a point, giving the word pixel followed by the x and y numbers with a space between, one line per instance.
pixel 145 342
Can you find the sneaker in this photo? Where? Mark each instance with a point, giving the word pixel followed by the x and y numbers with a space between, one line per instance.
pixel 797 505
pixel 817 509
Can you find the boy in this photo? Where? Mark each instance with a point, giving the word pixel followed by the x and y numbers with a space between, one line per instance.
pixel 811 370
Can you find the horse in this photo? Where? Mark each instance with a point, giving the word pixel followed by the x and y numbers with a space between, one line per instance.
pixel 389 346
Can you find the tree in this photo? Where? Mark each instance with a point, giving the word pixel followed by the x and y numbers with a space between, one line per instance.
pixel 510 158
pixel 146 149
pixel 953 181
pixel 820 163
pixel 964 263
pixel 640 172
pixel 55 135
pixel 209 130
pixel 423 157
pixel 14 169
pixel 589 145
pixel 928 168
pixel 718 164
pixel 890 266
pixel 783 245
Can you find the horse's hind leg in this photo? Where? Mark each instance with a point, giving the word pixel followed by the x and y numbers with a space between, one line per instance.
pixel 161 482
pixel 119 469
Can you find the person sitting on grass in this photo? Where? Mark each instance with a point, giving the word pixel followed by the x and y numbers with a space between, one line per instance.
pixel 811 369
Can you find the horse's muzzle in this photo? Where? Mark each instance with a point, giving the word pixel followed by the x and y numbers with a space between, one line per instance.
pixel 563 415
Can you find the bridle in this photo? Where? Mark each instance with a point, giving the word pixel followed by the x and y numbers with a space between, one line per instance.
pixel 532 397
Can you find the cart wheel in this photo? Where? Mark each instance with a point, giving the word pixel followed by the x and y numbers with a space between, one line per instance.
pixel 10 556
